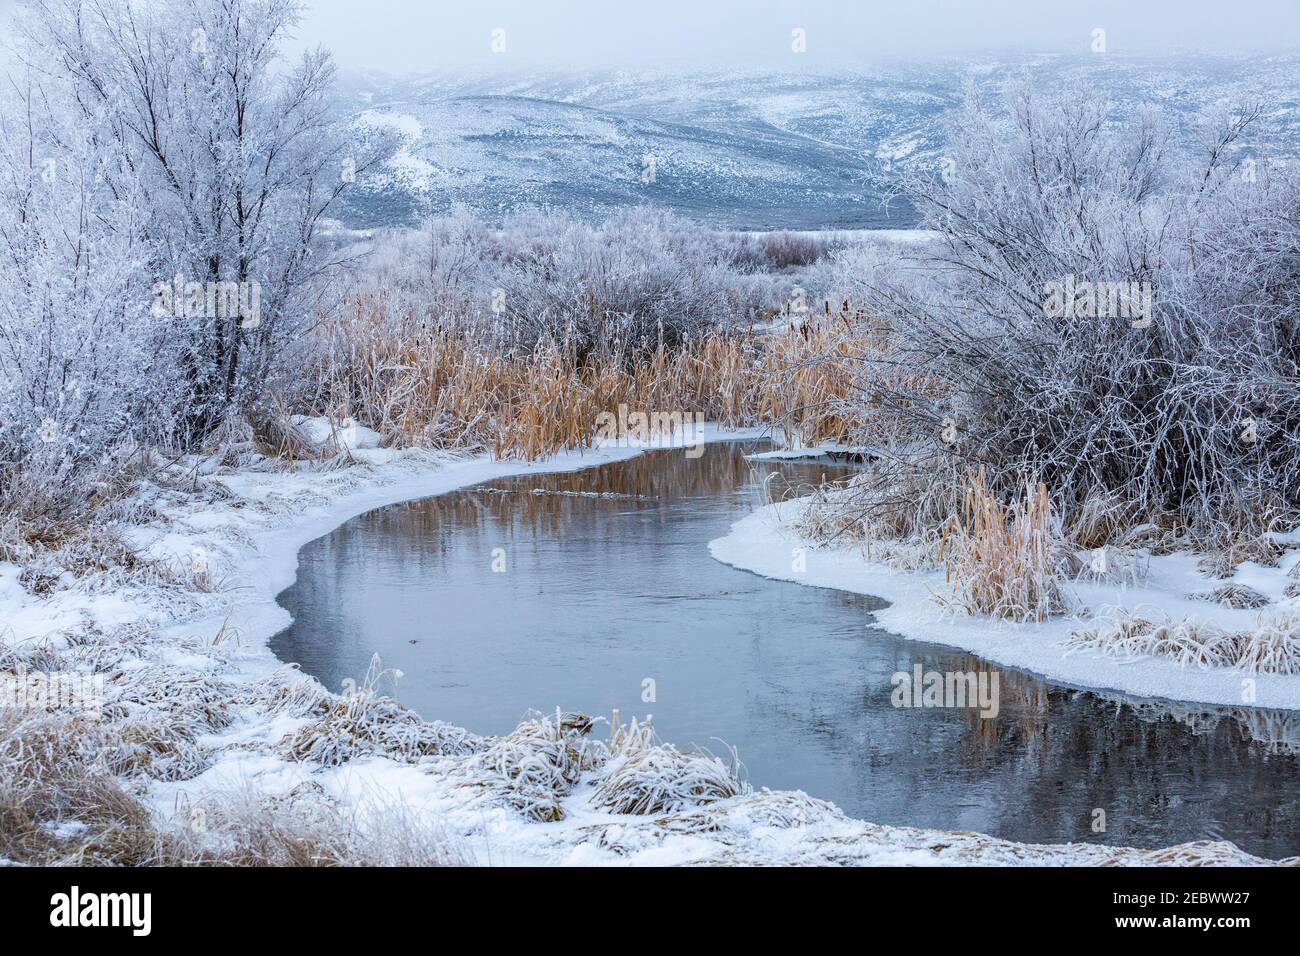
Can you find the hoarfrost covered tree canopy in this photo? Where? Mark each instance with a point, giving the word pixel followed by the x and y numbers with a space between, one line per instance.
pixel 187 104
pixel 1185 400
pixel 79 368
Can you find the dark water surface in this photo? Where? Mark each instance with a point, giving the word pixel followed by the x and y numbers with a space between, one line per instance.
pixel 600 593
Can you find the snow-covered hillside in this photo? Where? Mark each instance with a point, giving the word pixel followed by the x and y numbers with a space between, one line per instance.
pixel 747 150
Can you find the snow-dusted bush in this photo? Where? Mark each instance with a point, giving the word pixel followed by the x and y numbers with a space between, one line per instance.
pixel 148 150
pixel 1175 388
pixel 84 371
pixel 640 277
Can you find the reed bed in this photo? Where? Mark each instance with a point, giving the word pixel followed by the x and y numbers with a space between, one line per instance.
pixel 999 558
pixel 465 385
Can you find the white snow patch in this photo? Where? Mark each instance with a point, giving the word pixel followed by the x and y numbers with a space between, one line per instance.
pixel 763 543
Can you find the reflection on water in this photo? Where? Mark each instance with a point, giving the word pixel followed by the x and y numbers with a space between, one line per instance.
pixel 607 581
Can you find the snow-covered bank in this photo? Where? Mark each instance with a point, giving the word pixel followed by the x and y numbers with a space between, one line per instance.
pixel 239 723
pixel 765 543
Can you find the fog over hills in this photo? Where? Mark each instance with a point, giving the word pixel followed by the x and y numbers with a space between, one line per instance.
pixel 741 149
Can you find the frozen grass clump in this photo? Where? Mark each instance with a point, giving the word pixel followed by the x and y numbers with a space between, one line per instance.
pixel 60 800
pixel 306 828
pixel 200 701
pixel 158 749
pixel 1133 635
pixel 1272 646
pixel 362 724
pixel 1234 596
pixel 365 723
pixel 645 776
pixel 539 762
pixel 62 803
pixel 1222 563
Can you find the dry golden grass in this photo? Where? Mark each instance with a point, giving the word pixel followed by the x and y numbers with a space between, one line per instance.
pixel 427 385
pixel 998 558
pixel 809 371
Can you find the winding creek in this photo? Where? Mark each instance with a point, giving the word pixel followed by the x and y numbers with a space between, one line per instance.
pixel 608 581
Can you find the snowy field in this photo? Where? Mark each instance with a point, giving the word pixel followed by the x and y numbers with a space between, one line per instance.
pixel 246 527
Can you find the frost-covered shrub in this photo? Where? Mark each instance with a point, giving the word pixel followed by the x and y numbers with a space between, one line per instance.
pixel 135 156
pixel 1177 394
pixel 209 164
pixel 84 370
pixel 639 277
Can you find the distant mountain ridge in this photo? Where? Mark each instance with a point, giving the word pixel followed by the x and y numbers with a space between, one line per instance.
pixel 736 149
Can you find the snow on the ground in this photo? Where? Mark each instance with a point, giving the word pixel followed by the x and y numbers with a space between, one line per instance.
pixel 249 526
pixel 766 544
pixel 346 435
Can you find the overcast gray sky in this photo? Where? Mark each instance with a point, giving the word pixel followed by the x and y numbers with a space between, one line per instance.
pixel 411 35
pixel 416 35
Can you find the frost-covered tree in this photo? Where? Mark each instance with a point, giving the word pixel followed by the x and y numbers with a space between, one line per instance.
pixel 83 371
pixel 1113 308
pixel 238 157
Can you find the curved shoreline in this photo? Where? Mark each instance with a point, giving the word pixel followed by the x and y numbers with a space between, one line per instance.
pixel 257 529
pixel 269 565
pixel 762 543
